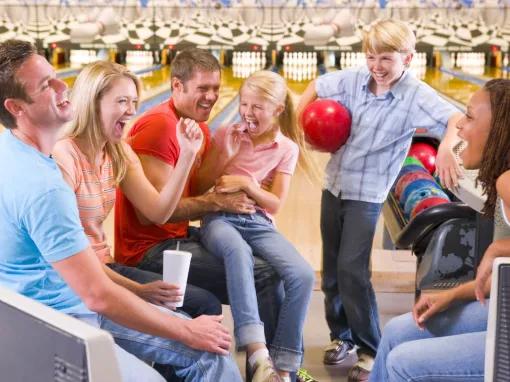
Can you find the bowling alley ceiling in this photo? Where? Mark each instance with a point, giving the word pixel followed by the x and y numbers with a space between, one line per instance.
pixel 230 26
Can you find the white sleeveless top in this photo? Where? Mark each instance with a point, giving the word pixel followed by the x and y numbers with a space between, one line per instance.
pixel 501 221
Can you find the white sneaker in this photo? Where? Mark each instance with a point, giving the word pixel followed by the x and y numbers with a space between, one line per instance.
pixel 263 371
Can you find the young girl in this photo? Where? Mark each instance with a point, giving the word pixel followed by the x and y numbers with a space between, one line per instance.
pixel 446 327
pixel 94 160
pixel 258 157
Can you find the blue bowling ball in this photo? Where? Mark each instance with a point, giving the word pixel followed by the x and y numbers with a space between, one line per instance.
pixel 420 194
pixel 416 185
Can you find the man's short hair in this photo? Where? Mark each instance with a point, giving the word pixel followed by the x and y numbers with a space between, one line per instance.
pixel 13 54
pixel 188 61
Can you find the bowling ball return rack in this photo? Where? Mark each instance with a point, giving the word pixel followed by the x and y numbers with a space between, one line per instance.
pixel 448 240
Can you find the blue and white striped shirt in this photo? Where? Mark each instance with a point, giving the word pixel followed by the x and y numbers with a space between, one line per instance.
pixel 382 128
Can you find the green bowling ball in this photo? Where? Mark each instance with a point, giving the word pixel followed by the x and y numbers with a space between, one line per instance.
pixel 411 160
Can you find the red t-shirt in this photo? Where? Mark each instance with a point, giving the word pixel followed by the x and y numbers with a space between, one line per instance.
pixel 153 134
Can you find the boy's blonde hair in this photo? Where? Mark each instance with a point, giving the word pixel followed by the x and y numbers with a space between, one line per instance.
pixel 273 88
pixel 389 35
pixel 90 86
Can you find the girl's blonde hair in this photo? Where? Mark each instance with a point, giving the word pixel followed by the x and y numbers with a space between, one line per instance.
pixel 389 35
pixel 90 86
pixel 273 88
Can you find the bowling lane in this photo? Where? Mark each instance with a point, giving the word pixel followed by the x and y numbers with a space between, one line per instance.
pixel 451 86
pixel 229 89
pixel 152 79
pixel 460 84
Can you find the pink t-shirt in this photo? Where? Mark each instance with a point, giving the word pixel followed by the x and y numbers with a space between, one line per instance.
pixel 94 189
pixel 260 162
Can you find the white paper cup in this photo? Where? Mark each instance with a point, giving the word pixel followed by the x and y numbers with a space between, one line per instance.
pixel 175 270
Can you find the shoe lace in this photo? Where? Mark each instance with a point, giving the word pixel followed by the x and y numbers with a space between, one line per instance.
pixel 304 376
pixel 333 345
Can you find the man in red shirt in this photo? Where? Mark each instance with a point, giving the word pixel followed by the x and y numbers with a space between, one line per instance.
pixel 195 82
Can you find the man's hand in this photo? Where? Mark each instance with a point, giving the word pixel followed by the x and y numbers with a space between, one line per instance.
pixel 447 167
pixel 430 304
pixel 208 333
pixel 237 202
pixel 160 293
pixel 233 183
pixel 189 135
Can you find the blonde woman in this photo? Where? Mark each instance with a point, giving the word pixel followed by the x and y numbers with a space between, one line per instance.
pixel 95 160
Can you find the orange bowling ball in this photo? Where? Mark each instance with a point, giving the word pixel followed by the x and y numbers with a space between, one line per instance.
pixel 326 124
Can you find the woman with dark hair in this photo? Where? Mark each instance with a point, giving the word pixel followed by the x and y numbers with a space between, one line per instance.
pixel 443 338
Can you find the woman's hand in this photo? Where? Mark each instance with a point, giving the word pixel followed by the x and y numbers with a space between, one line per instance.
pixel 189 135
pixel 429 304
pixel 160 293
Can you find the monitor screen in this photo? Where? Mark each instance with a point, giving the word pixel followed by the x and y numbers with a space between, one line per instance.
pixel 497 354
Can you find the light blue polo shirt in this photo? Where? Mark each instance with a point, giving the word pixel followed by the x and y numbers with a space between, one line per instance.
pixel 39 225
pixel 382 128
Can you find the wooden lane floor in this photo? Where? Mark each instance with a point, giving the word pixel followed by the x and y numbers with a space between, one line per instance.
pixel 151 80
pixel 299 218
pixel 453 87
pixel 457 88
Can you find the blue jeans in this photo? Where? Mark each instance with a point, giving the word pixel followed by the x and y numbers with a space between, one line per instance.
pixel 208 272
pixel 347 229
pixel 451 348
pixel 190 364
pixel 233 238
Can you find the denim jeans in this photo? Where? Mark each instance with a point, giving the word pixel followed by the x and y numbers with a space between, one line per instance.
pixel 190 364
pixel 233 238
pixel 208 272
pixel 131 368
pixel 197 301
pixel 347 229
pixel 450 349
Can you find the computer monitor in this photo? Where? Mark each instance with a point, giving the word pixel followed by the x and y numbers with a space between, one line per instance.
pixel 38 343
pixel 497 352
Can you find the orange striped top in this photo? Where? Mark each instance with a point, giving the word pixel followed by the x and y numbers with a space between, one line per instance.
pixel 94 189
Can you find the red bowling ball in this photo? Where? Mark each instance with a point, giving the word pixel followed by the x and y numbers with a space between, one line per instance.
pixel 427 203
pixel 425 153
pixel 326 124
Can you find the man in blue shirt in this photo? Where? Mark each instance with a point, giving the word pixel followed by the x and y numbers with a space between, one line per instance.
pixel 45 254
pixel 387 105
